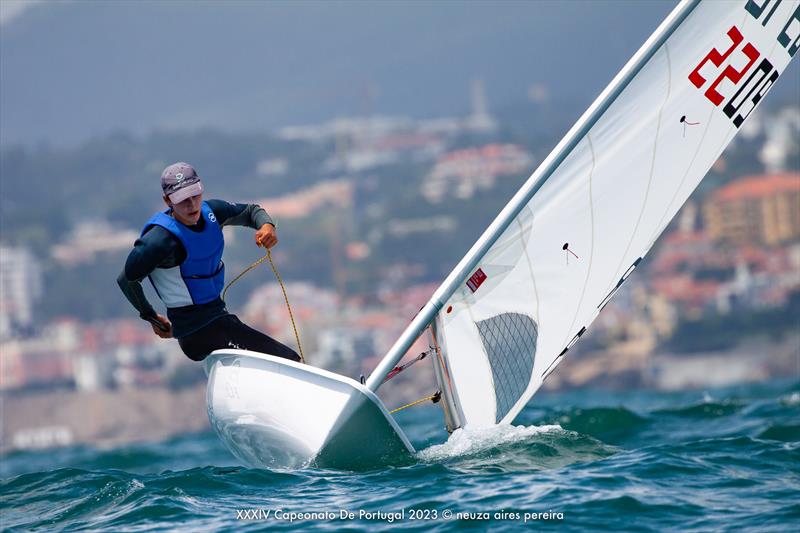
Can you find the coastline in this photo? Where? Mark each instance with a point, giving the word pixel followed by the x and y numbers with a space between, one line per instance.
pixel 38 420
pixel 57 418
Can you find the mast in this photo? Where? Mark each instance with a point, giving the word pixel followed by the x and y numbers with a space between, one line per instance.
pixel 471 260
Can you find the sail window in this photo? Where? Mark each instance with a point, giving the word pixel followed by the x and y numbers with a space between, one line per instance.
pixel 510 343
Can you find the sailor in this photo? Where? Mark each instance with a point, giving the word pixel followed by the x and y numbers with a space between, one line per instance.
pixel 180 250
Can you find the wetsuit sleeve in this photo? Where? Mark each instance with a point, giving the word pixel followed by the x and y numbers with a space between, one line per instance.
pixel 156 248
pixel 230 214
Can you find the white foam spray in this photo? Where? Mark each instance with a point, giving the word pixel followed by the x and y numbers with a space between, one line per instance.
pixel 470 441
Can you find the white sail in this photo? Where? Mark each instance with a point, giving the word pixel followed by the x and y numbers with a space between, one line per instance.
pixel 587 216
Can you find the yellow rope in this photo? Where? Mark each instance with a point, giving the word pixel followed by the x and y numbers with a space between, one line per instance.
pixel 431 397
pixel 285 297
pixel 248 269
pixel 289 307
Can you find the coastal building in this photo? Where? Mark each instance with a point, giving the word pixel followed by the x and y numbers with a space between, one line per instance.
pixel 12 374
pixel 312 307
pixel 360 154
pixel 272 167
pixel 333 193
pixel 461 173
pixel 698 275
pixel 480 120
pixel 762 209
pixel 347 128
pixel 92 237
pixel 32 363
pixel 782 140
pixel 341 349
pixel 20 288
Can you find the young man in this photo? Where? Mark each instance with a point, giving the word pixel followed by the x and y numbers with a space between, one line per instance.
pixel 180 250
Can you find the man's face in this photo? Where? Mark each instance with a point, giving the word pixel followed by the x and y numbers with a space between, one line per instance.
pixel 187 212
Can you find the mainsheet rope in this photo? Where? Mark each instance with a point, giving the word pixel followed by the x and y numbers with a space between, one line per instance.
pixel 268 256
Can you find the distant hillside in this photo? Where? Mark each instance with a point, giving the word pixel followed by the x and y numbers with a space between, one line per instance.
pixel 74 70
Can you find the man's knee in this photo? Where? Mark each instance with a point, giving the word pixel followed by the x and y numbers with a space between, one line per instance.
pixel 193 352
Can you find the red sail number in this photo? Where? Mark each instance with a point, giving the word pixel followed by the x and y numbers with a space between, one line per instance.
pixel 730 72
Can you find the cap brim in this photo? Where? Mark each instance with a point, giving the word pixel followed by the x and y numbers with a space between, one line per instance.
pixel 187 192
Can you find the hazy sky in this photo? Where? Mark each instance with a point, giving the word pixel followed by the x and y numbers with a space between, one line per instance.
pixel 72 70
pixel 11 8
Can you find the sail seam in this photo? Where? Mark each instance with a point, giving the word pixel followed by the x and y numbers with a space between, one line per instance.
pixel 661 223
pixel 591 244
pixel 660 227
pixel 623 258
pixel 530 266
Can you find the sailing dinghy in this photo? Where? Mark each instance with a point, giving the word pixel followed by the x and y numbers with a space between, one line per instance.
pixel 528 289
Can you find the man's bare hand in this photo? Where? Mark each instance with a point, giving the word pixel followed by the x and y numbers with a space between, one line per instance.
pixel 266 236
pixel 161 327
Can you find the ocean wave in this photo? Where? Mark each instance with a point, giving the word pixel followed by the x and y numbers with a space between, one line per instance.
pixel 72 498
pixel 679 463
pixel 65 496
pixel 705 409
pixel 781 432
pixel 609 424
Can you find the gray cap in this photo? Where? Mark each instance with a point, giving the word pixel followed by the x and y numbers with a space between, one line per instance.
pixel 179 181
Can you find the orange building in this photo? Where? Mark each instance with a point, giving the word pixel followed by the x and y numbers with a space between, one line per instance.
pixel 756 208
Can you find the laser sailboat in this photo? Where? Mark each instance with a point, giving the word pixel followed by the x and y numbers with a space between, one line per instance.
pixel 529 288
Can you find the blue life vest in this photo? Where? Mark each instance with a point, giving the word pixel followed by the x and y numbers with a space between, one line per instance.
pixel 201 276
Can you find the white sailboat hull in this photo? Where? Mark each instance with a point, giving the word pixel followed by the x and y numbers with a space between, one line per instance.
pixel 274 413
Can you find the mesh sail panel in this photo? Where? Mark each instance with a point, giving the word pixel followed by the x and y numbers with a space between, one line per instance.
pixel 510 343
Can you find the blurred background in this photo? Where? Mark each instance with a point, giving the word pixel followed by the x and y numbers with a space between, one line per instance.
pixel 383 138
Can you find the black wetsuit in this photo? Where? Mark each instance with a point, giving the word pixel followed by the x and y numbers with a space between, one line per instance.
pixel 202 328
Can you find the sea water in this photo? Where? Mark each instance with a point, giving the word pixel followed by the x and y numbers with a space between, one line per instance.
pixel 726 459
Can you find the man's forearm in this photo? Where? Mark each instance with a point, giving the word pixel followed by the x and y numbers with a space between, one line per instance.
pixel 250 215
pixel 135 294
pixel 260 217
pixel 253 216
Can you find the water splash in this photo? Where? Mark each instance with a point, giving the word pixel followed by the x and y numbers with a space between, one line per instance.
pixel 791 400
pixel 465 442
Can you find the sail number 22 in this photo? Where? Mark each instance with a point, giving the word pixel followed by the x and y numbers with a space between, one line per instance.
pixel 749 93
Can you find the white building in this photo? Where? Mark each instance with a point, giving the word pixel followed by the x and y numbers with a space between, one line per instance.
pixel 20 288
pixel 781 144
pixel 340 349
pixel 91 237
